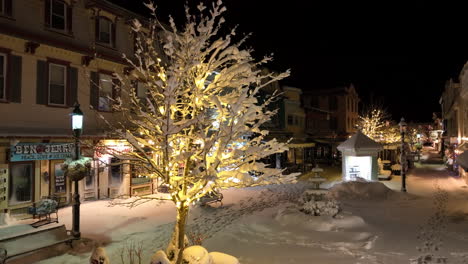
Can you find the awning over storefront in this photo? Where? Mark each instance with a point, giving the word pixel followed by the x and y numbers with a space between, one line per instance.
pixel 390 147
pixel 33 132
pixel 301 145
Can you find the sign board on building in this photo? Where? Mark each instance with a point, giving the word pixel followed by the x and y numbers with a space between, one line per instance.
pixel 60 186
pixel 41 151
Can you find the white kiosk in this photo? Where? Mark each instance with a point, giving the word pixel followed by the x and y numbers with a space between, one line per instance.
pixel 360 157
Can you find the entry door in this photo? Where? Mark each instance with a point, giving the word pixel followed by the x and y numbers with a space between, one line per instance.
pixel 21 183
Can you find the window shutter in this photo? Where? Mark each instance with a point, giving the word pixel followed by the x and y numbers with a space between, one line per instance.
pixel 70 19
pixel 97 28
pixel 8 7
pixel 94 90
pixel 15 78
pixel 113 34
pixel 41 82
pixel 47 12
pixel 73 86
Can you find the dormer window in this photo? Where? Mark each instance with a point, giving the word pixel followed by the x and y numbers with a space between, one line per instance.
pixel 58 15
pixel 105 31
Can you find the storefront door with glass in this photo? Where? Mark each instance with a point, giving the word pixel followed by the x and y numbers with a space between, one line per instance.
pixel 21 183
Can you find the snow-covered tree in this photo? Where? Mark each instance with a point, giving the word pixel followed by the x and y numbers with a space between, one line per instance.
pixel 372 122
pixel 199 127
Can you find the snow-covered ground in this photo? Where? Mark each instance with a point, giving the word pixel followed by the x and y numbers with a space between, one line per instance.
pixel 263 225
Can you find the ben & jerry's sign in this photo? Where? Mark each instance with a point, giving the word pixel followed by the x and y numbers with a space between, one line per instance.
pixel 41 151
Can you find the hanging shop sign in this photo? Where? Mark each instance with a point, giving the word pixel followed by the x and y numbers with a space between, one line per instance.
pixel 41 151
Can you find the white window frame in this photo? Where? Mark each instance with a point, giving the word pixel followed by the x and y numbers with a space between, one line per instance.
pixel 101 18
pixel 100 75
pixel 64 15
pixel 64 84
pixel 4 74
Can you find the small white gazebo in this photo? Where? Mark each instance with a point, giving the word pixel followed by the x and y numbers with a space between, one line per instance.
pixel 359 154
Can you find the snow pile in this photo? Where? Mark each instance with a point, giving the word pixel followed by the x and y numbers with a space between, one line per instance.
pixel 318 202
pixel 360 190
pixel 196 255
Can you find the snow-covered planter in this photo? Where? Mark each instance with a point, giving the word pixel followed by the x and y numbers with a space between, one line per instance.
pixel 77 169
pixel 396 169
pixel 196 255
pixel 318 202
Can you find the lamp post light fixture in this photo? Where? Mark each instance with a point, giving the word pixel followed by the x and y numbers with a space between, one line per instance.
pixel 77 126
pixel 403 127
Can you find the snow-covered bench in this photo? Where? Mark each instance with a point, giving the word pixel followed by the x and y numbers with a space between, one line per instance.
pixel 43 211
pixel 383 173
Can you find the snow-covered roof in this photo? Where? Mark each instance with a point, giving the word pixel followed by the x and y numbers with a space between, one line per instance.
pixel 359 144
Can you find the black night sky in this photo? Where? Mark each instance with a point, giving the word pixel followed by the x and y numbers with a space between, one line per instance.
pixel 394 53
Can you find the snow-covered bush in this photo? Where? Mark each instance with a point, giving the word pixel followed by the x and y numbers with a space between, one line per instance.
pixel 318 202
pixel 196 255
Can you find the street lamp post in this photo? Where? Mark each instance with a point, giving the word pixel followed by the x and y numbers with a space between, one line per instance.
pixel 403 126
pixel 77 126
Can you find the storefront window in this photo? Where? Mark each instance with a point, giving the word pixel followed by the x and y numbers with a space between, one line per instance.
pixel 21 183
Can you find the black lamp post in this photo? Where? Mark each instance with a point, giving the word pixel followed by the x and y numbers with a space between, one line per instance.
pixel 403 126
pixel 77 126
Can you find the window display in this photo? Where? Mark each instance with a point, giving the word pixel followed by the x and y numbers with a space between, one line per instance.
pixel 358 167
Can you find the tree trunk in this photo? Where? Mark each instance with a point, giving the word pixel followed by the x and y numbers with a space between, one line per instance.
pixel 178 241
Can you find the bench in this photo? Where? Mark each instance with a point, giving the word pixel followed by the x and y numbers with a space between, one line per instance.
pixel 43 210
pixel 213 197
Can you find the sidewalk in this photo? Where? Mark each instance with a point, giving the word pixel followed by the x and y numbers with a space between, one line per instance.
pixel 426 174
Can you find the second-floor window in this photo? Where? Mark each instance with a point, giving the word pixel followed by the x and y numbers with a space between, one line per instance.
pixel 105 31
pixel 106 87
pixel 57 84
pixel 2 77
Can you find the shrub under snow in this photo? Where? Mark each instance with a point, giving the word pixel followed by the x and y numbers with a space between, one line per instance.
pixel 196 255
pixel 318 202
